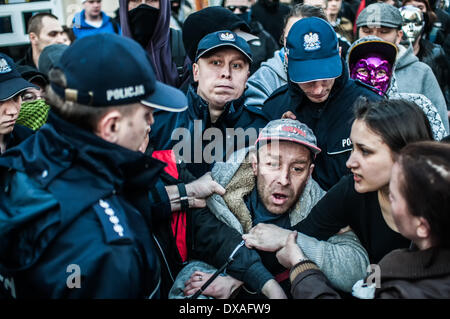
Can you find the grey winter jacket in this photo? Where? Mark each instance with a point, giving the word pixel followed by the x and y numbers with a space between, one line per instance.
pixel 342 258
pixel 414 76
pixel 270 76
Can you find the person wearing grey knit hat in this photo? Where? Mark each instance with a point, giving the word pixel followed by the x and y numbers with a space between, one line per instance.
pixel 380 14
pixel 382 20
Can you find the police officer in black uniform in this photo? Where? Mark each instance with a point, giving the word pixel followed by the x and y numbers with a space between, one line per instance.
pixel 78 199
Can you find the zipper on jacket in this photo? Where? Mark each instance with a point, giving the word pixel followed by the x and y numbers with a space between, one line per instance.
pixel 164 257
pixel 156 289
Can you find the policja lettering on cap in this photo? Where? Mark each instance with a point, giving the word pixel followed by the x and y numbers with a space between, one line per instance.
pixel 124 93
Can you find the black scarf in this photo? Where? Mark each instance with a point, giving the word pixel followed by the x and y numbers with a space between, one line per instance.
pixel 143 21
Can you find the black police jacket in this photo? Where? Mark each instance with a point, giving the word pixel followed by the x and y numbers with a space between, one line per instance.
pixel 76 218
pixel 19 134
pixel 331 122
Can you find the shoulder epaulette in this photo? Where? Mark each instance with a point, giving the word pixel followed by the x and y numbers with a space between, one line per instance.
pixel 112 219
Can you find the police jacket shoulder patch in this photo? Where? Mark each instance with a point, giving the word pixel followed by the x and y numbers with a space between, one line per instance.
pixel 113 222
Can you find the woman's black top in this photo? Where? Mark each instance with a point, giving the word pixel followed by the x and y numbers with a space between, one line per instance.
pixel 342 206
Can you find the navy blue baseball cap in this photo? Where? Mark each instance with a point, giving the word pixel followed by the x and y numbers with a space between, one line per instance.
pixel 313 51
pixel 223 38
pixel 11 82
pixel 111 70
pixel 50 56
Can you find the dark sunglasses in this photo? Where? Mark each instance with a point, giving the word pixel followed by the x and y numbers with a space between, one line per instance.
pixel 242 9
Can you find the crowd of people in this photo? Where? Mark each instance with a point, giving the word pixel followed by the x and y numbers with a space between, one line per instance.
pixel 245 150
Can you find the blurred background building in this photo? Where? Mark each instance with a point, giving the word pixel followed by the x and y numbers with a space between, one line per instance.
pixel 14 16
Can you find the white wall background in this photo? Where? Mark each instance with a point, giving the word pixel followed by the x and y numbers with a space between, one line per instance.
pixel 63 9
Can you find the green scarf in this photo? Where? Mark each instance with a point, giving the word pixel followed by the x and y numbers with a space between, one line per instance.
pixel 33 114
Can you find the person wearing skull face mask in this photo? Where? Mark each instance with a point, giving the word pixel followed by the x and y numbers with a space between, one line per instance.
pixel 372 61
pixel 414 27
pixel 437 22
pixel 148 22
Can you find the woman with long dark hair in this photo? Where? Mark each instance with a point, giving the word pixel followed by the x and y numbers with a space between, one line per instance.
pixel 420 208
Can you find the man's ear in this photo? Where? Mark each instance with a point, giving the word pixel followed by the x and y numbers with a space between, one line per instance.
pixel 399 37
pixel 33 37
pixel 423 229
pixel 195 71
pixel 311 170
pixel 108 126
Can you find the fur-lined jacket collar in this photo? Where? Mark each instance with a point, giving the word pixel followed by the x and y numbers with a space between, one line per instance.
pixel 236 176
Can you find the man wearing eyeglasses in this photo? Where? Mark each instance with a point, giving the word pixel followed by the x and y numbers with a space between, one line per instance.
pixel 263 47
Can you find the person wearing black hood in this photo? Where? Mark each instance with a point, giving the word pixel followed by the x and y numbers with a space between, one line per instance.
pixel 148 23
pixel 270 13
